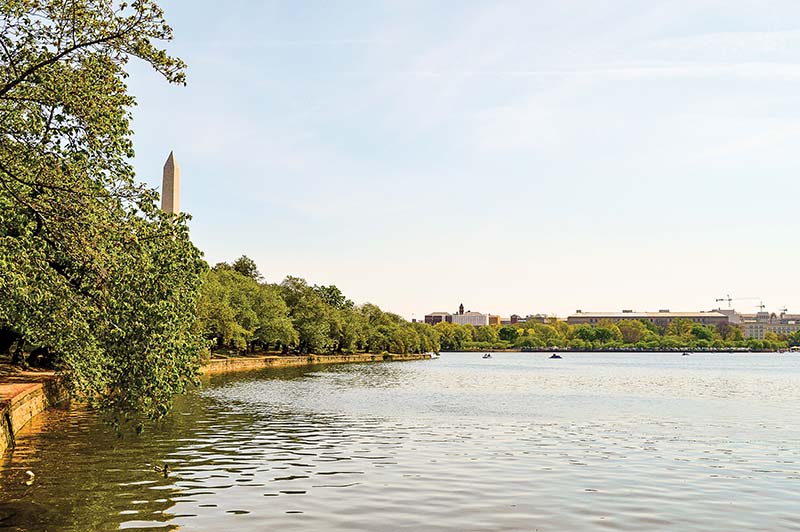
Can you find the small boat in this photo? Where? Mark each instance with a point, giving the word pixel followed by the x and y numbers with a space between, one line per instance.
pixel 685 354
pixel 487 355
pixel 555 356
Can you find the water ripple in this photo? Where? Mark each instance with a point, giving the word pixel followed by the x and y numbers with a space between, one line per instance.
pixel 616 442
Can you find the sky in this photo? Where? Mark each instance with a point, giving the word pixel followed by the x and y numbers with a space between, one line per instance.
pixel 517 156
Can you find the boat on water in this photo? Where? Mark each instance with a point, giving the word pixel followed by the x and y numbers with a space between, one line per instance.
pixel 555 356
pixel 685 354
pixel 487 355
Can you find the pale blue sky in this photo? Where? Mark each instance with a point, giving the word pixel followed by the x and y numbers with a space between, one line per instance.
pixel 519 156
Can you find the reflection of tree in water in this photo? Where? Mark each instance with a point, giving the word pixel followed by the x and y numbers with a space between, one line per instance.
pixel 365 374
pixel 90 478
pixel 86 473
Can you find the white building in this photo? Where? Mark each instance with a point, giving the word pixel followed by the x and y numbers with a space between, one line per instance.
pixel 471 318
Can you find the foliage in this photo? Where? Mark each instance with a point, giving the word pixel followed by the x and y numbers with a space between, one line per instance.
pixel 239 313
pixel 605 335
pixel 489 334
pixel 247 267
pixel 333 297
pixel 235 311
pixel 680 327
pixel 92 274
pixel 508 334
pixel 632 331
pixel 794 339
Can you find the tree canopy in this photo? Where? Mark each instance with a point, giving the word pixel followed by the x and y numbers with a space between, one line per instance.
pixel 606 335
pixel 92 274
pixel 238 313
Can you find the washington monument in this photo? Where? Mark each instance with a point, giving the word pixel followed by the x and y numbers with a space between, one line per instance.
pixel 171 186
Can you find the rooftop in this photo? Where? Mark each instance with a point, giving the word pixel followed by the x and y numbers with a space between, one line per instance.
pixel 661 314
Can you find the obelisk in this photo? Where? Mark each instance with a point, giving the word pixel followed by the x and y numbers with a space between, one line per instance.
pixel 171 186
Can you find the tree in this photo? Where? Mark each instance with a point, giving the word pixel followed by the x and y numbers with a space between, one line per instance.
pixel 247 267
pixel 773 341
pixel 309 315
pixel 794 338
pixel 91 270
pixel 730 333
pixel 680 327
pixel 508 334
pixel 547 334
pixel 563 328
pixel 607 332
pixel 735 335
pixel 452 337
pixel 446 333
pixel 429 338
pixel 702 332
pixel 219 319
pixel 487 333
pixel 585 333
pixel 333 297
pixel 272 326
pixel 529 342
pixel 633 331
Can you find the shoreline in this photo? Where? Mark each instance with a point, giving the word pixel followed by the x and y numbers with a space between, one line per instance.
pixel 23 396
pixel 665 350
pixel 26 394
pixel 216 366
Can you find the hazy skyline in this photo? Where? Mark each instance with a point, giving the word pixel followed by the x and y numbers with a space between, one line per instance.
pixel 518 157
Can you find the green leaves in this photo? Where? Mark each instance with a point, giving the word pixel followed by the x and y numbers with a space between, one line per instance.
pixel 238 312
pixel 235 311
pixel 89 267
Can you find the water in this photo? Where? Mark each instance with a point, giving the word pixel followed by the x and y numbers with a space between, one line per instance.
pixel 518 442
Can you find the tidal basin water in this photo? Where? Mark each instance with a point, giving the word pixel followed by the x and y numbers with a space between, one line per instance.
pixel 516 442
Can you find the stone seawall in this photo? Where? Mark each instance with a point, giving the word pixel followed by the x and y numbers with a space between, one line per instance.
pixel 27 394
pixel 227 365
pixel 21 400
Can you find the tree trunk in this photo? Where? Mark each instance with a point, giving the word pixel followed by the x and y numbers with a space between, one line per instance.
pixel 7 339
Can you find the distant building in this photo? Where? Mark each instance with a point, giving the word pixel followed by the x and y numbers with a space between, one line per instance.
pixel 516 318
pixel 759 324
pixel 437 317
pixel 662 318
pixel 471 318
pixel 535 318
pixel 495 320
pixel 734 318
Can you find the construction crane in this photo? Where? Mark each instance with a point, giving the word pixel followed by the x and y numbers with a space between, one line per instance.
pixel 729 299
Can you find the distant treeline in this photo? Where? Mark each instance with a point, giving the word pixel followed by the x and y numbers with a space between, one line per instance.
pixel 606 335
pixel 238 311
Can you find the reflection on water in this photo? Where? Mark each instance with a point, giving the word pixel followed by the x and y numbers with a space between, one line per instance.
pixel 518 442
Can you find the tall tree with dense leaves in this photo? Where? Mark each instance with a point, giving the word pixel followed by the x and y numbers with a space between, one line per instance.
pixel 310 316
pixel 247 266
pixel 91 271
pixel 236 312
